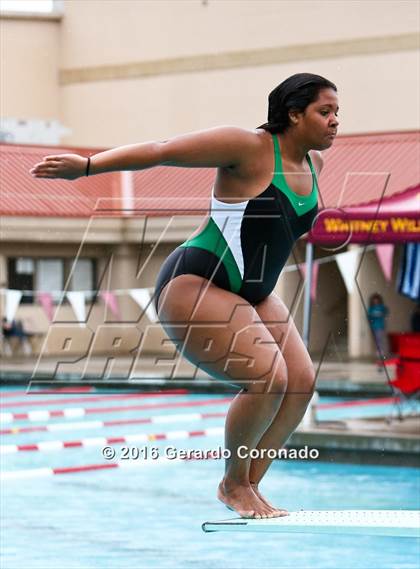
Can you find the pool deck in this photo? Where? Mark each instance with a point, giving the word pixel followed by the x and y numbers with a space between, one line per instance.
pixel 358 378
pixel 370 441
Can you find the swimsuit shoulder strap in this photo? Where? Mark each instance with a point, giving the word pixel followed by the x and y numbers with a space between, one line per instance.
pixel 311 166
pixel 277 158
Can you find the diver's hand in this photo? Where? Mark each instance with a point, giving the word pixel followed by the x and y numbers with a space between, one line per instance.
pixel 67 166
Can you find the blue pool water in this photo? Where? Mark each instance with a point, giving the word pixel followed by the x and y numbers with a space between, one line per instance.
pixel 150 516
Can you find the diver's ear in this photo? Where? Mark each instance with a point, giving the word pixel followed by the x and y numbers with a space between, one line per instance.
pixel 293 116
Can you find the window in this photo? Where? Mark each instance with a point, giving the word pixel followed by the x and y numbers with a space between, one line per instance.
pixel 84 277
pixel 21 276
pixel 51 275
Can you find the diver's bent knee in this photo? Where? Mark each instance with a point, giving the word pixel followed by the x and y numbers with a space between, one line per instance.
pixel 308 381
pixel 275 385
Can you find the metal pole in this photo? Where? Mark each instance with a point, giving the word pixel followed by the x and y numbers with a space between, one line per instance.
pixel 307 294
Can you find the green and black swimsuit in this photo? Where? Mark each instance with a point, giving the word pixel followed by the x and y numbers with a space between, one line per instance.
pixel 245 245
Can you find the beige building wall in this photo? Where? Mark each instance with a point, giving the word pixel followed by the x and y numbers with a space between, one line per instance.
pixel 29 65
pixel 129 31
pixel 113 113
pixel 145 69
pixel 155 69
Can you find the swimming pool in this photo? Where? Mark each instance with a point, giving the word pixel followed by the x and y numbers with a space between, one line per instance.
pixel 150 515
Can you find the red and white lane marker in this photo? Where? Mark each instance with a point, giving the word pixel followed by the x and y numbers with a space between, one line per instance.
pixel 94 398
pixel 39 472
pixel 100 424
pixel 100 441
pixel 156 419
pixel 77 412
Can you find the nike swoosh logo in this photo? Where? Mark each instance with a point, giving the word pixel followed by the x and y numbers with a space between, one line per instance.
pixel 303 203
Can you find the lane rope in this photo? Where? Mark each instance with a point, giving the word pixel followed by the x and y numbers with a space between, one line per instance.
pixel 77 412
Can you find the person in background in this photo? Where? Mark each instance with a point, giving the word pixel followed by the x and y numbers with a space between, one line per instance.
pixel 377 313
pixel 14 329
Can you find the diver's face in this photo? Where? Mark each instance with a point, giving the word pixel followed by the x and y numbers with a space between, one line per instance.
pixel 318 124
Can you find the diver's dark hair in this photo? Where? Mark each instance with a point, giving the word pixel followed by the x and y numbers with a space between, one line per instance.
pixel 293 94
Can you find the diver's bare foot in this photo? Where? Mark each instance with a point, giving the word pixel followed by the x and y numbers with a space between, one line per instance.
pixel 242 499
pixel 277 512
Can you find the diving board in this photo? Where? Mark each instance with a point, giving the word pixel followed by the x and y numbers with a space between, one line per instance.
pixel 398 523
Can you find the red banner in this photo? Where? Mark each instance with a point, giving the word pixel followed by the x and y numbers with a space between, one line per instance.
pixel 335 227
pixel 392 219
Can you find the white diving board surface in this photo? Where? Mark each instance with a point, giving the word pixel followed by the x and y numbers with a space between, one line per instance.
pixel 397 523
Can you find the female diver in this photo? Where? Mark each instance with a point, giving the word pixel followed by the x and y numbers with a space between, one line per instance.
pixel 214 293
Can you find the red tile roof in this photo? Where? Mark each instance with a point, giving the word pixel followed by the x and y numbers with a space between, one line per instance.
pixel 164 191
pixel 361 168
pixel 356 170
pixel 23 195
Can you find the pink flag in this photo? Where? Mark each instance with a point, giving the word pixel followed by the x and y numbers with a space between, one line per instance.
pixel 45 299
pixel 315 268
pixel 385 253
pixel 110 299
